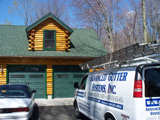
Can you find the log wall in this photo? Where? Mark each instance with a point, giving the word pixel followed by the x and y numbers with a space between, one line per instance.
pixel 36 36
pixel 49 80
pixel 3 74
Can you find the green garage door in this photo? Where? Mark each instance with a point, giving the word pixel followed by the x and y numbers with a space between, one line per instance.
pixel 33 76
pixel 64 79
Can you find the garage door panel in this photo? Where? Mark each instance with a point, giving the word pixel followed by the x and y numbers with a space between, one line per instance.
pixel 41 88
pixel 61 88
pixel 39 95
pixel 64 80
pixel 23 83
pixel 41 84
pixel 33 76
pixel 17 78
pixel 63 94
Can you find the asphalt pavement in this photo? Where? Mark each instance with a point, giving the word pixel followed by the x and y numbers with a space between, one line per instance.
pixel 65 112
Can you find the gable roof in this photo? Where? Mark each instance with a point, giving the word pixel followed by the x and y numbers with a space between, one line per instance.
pixel 14 43
pixel 44 18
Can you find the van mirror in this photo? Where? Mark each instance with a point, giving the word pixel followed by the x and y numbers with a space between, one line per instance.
pixel 76 85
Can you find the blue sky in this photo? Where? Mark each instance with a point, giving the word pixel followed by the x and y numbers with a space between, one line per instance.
pixel 16 20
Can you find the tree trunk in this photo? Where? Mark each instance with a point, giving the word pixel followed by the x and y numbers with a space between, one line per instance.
pixel 144 22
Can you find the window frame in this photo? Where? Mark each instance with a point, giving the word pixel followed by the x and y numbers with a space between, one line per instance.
pixel 49 49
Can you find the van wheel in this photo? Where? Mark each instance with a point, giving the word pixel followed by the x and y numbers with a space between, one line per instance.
pixel 109 117
pixel 76 111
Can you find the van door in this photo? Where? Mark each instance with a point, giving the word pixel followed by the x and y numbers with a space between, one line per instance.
pixel 84 106
pixel 151 92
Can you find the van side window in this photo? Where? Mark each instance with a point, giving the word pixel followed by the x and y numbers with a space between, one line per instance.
pixel 152 82
pixel 83 83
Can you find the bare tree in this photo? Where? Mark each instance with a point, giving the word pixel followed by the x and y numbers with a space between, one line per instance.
pixel 153 18
pixel 100 16
pixel 129 24
pixel 7 22
pixel 41 8
pixel 22 8
pixel 32 10
pixel 144 21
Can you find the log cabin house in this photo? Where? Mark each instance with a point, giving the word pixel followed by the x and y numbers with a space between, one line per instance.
pixel 46 55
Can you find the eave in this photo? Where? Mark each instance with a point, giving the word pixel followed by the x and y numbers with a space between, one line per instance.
pixel 48 57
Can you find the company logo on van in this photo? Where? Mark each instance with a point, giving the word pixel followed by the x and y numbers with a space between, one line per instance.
pixel 152 102
pixel 117 76
pixel 111 89
pixel 99 88
pixel 99 78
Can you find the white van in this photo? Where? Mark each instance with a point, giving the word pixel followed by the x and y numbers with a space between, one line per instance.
pixel 125 93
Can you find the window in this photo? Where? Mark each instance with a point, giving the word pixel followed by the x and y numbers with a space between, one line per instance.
pixel 17 76
pixel 152 82
pixel 78 76
pixel 36 76
pixel 49 40
pixel 83 83
pixel 61 76
pixel 11 93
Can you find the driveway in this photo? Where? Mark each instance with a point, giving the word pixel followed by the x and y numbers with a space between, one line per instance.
pixel 55 113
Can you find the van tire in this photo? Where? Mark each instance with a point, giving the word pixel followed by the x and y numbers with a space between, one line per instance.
pixel 76 111
pixel 109 117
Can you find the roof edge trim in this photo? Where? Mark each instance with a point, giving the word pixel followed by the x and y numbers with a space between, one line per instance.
pixel 44 18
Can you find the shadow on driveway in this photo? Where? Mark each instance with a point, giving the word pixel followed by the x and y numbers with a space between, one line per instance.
pixel 55 113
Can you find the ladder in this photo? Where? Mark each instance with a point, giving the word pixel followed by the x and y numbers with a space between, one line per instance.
pixel 127 55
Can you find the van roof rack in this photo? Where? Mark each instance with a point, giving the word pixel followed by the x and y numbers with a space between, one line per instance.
pixel 127 55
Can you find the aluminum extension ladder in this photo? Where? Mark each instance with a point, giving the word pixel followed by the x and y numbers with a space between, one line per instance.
pixel 127 55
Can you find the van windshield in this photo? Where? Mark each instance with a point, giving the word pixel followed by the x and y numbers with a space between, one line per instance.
pixel 152 82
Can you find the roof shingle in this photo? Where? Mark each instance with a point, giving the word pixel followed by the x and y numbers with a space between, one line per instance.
pixel 84 43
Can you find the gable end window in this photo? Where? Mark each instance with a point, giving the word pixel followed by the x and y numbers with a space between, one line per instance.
pixel 49 40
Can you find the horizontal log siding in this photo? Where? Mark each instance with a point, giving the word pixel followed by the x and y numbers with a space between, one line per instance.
pixel 47 62
pixel 3 74
pixel 37 35
pixel 49 79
